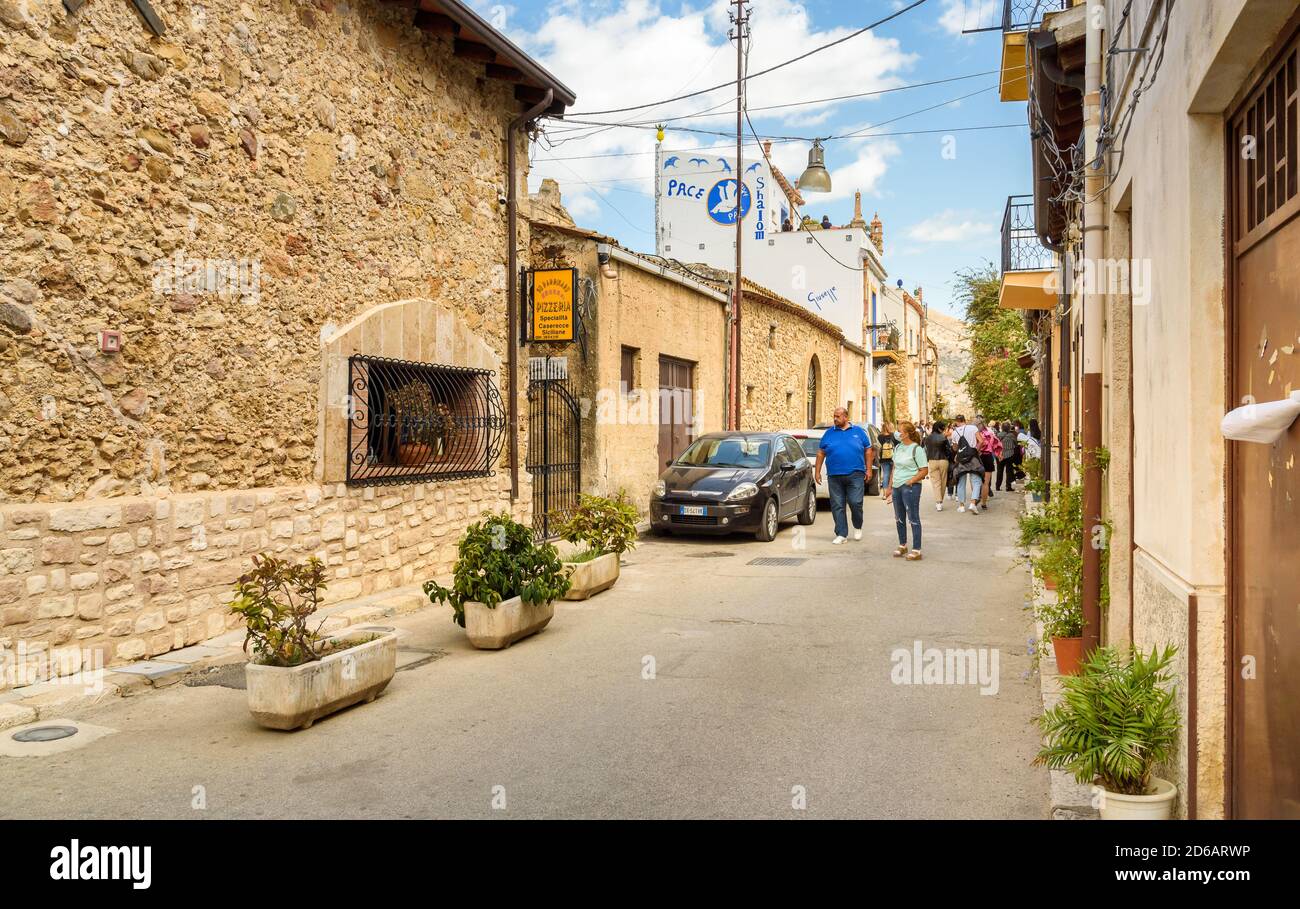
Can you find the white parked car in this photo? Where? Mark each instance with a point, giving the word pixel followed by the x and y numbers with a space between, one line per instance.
pixel 810 440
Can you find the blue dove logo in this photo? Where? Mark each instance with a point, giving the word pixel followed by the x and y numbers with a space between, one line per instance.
pixel 699 162
pixel 753 167
pixel 726 168
pixel 721 201
pixel 670 162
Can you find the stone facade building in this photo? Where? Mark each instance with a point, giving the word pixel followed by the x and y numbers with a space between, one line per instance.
pixel 650 374
pixel 197 230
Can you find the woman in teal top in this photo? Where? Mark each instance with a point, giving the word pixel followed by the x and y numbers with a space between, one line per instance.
pixel 910 469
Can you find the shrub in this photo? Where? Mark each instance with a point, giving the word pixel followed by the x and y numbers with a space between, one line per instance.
pixel 601 524
pixel 496 560
pixel 276 600
pixel 1116 721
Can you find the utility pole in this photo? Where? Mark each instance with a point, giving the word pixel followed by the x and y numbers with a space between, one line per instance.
pixel 1093 226
pixel 741 19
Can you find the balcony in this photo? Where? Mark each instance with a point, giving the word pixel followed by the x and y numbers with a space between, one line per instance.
pixel 1019 18
pixel 1028 267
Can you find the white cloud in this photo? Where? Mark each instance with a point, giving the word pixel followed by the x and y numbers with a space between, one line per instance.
pixel 581 205
pixel 959 15
pixel 950 226
pixel 627 52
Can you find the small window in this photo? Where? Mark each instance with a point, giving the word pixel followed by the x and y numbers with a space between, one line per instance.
pixel 627 370
pixel 792 448
pixel 413 422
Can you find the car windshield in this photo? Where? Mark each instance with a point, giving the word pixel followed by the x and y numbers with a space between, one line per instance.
pixel 732 452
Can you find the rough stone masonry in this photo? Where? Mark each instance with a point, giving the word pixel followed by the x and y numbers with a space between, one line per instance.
pixel 223 197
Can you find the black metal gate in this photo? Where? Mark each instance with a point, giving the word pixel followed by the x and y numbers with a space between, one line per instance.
pixel 554 444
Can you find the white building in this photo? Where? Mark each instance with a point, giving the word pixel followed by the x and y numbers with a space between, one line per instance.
pixel 837 273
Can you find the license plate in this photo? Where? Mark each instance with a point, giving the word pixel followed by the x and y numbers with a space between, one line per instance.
pixel 692 509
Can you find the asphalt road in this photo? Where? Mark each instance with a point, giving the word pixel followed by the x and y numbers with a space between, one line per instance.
pixel 771 689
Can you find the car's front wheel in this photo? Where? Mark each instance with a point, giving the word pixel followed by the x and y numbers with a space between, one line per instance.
pixel 767 527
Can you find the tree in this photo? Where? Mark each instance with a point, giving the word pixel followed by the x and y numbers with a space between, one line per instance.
pixel 998 387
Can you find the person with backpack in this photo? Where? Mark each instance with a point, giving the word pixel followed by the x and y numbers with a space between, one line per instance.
pixel 910 470
pixel 885 442
pixel 937 453
pixel 1007 461
pixel 990 448
pixel 967 466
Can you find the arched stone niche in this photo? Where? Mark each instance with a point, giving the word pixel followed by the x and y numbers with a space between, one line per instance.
pixel 419 330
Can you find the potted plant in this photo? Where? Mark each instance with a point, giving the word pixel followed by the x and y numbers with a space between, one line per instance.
pixel 602 529
pixel 296 675
pixel 504 584
pixel 1116 722
pixel 443 431
pixel 1036 486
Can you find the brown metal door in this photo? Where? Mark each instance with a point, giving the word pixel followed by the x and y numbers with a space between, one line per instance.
pixel 676 417
pixel 1264 285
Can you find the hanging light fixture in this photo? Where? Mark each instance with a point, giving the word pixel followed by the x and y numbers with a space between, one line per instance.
pixel 815 179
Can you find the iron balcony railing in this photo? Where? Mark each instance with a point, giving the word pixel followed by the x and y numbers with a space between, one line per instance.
pixel 1021 248
pixel 1026 15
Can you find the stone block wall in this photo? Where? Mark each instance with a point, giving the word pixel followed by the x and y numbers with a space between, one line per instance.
pixel 777 346
pixel 134 577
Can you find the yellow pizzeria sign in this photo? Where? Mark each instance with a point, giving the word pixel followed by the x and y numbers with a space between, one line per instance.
pixel 554 299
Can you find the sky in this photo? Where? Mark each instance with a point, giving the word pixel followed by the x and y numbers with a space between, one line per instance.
pixel 939 189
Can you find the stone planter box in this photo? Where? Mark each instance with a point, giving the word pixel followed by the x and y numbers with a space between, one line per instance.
pixel 511 620
pixel 592 576
pixel 294 697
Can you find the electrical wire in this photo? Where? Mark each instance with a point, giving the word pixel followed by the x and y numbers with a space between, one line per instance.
pixel 762 72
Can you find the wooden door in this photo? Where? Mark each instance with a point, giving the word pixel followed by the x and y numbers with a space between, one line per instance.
pixel 1264 483
pixel 676 413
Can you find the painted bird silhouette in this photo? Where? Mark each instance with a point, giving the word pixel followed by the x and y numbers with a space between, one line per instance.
pixel 755 166
pixel 726 168
pixel 670 162
pixel 699 160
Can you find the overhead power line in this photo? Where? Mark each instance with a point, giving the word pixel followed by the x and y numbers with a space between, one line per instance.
pixel 761 72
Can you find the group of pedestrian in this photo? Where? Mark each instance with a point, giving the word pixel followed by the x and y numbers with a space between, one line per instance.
pixel 965 461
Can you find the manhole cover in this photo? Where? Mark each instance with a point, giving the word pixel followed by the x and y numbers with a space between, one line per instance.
pixel 770 562
pixel 44 734
pixel 714 554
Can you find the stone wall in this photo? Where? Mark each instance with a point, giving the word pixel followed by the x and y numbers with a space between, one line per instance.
pixel 779 342
pixel 308 160
pixel 229 198
pixel 136 576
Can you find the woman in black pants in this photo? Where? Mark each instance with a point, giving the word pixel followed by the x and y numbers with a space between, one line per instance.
pixel 1007 463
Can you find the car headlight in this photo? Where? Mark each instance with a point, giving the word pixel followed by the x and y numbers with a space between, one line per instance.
pixel 743 491
pixel 660 489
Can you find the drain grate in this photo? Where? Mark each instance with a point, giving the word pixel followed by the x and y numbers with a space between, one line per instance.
pixel 772 562
pixel 44 734
pixel 711 554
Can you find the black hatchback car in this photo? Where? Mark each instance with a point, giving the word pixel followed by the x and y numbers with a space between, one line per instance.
pixel 728 482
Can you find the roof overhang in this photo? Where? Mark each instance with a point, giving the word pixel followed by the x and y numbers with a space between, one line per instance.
pixel 1056 56
pixel 1013 84
pixel 1028 290
pixel 474 38
pixel 893 356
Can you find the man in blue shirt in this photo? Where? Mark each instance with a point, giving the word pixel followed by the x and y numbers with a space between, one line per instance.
pixel 847 453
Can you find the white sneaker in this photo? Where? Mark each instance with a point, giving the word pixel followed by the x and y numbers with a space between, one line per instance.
pixel 974 509
pixel 838 540
pixel 938 506
pixel 857 534
pixel 961 509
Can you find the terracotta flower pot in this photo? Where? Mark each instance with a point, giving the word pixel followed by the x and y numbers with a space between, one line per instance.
pixel 1069 652
pixel 413 454
pixel 1049 582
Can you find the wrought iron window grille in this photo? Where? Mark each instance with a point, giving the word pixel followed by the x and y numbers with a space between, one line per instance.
pixel 419 422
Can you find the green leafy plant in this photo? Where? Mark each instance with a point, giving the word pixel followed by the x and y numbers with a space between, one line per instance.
pixel 995 383
pixel 1117 721
pixel 497 559
pixel 276 601
pixel 600 524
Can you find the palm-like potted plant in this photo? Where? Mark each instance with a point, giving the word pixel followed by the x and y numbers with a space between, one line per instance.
pixel 504 584
pixel 1117 721
pixel 297 675
pixel 603 529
